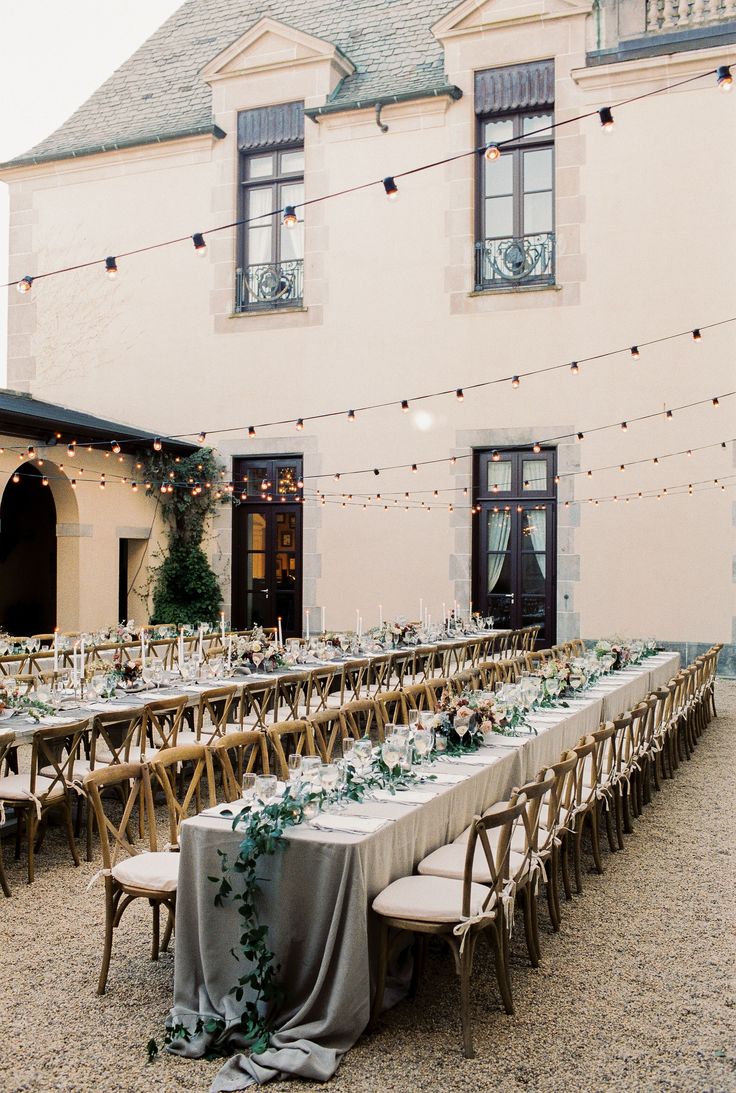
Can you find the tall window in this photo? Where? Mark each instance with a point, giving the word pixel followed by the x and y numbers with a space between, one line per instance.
pixel 515 210
pixel 270 269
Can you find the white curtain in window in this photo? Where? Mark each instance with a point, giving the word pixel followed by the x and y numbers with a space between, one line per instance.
pixel 537 524
pixel 499 529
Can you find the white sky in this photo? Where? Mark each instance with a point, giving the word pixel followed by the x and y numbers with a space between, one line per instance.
pixel 53 55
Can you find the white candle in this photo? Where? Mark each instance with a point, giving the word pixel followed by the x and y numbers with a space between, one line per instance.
pixel 307 624
pixel 281 636
pixel 82 660
pixel 200 644
pixel 56 649
pixel 357 619
pixel 75 667
pixel 181 646
pixel 324 620
pixel 380 614
pixel 222 626
pixel 230 651
pixel 143 646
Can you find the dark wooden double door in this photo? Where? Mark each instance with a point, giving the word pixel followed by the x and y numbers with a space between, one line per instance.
pixel 514 547
pixel 267 544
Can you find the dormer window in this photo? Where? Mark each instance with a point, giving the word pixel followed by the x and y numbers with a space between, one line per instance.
pixel 270 270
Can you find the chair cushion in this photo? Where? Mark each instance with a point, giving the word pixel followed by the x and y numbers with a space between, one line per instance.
pixel 428 899
pixel 157 872
pixel 449 861
pixel 17 787
pixel 81 767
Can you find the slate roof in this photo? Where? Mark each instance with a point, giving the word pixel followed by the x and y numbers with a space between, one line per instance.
pixel 24 416
pixel 158 93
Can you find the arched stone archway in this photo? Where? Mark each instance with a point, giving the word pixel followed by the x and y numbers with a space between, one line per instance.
pixel 28 556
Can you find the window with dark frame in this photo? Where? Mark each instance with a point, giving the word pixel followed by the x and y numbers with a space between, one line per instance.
pixel 515 240
pixel 270 267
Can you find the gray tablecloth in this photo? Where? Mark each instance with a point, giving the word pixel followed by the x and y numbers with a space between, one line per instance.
pixel 316 895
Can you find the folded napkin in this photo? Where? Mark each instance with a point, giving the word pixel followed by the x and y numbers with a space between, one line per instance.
pixel 446 779
pixel 52 719
pixel 227 811
pixel 499 740
pixel 358 825
pixel 405 796
pixel 478 759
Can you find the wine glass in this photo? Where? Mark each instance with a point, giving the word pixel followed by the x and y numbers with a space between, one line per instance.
pixel 310 769
pixel 422 743
pixel 295 767
pixel 363 752
pixel 391 751
pixel 329 776
pixel 461 726
pixel 348 749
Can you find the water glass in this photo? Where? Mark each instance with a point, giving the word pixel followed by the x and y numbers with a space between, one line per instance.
pixel 348 749
pixel 266 786
pixel 329 776
pixel 249 786
pixel 310 769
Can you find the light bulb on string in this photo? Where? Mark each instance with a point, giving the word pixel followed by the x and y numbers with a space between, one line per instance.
pixel 251 431
pixel 716 402
pixel 574 368
pixel 157 445
pixel 404 406
pixel 724 79
pixel 202 437
pixel 624 426
pixel 16 478
pixel 414 468
pixel 459 394
pixel 289 216
pixel 515 381
pixel 606 115
pixel 351 415
pixel 200 247
pixel 635 352
pixel 25 284
pixel 697 336
pixel 495 456
pixel 581 436
pixel 536 447
pixel 115 447
pixel 111 267
pixel 299 424
pixel 71 450
pixel 669 415
pixel 492 152
pixel 392 190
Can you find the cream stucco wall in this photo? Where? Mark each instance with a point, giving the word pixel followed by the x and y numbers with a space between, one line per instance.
pixel 645 236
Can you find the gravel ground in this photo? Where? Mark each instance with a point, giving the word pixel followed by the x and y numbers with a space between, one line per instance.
pixel 635 993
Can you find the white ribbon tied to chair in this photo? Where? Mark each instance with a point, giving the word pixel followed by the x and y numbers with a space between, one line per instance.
pixel 508 896
pixel 96 877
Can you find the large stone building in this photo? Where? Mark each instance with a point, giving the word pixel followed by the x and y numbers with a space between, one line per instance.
pixel 574 242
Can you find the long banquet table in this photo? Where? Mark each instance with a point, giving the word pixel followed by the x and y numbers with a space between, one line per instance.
pixel 316 894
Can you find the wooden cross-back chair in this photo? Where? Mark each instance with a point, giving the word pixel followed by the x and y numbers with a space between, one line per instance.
pixel 468 679
pixel 184 767
pixel 423 663
pixel 257 704
pixel 415 697
pixel 236 754
pixel 362 718
pixel 586 807
pixel 213 716
pixel 352 683
pixel 128 872
pixel 13 663
pixel 435 689
pixel 7 745
pixel 391 709
pixel 161 723
pixel 291 696
pixel 377 678
pixel 329 730
pixel 428 905
pixel 321 686
pixel 400 671
pixel 33 795
pixel 509 670
pixel 287 737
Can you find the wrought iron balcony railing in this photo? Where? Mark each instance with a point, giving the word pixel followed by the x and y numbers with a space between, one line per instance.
pixel 268 285
pixel 528 259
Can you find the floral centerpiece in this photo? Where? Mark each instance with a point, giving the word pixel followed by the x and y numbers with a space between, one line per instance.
pixel 12 698
pixel 463 720
pixel 624 652
pixel 127 673
pixel 392 635
pixel 257 651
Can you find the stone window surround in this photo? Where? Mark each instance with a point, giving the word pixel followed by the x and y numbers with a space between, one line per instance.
pixel 568 519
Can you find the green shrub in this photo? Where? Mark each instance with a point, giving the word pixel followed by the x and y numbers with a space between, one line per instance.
pixel 185 590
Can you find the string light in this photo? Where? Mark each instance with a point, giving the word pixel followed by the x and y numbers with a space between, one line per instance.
pixel 492 152
pixel 351 415
pixel 200 247
pixel 289 216
pixel 157 445
pixel 115 447
pixel 581 436
pixel 495 456
pixel 71 450
pixel 536 447
pixel 16 478
pixel 25 284
pixel 724 79
pixel 635 352
pixel 697 336
pixel 624 426
pixel 392 190
pixel 202 437
pixel 515 381
pixel 299 424
pixel 44 481
pixel 111 268
pixel 459 394
pixel 716 402
pixel 669 415
pixel 251 431
pixel 606 115
pixel 574 368
pixel 405 406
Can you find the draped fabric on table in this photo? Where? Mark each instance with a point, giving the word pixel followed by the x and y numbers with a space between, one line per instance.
pixel 499 529
pixel 315 895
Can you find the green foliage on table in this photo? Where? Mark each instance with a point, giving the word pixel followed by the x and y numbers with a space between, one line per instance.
pixel 185 588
